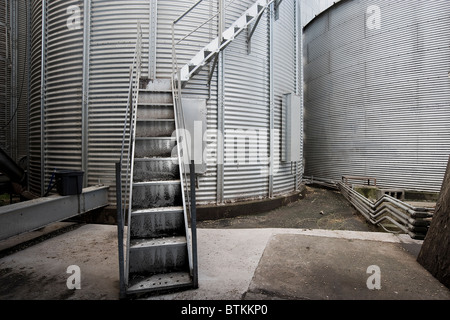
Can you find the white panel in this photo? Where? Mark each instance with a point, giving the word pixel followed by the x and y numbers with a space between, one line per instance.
pixel 291 142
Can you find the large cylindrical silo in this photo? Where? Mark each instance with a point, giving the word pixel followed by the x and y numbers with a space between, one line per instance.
pixel 88 48
pixel 377 92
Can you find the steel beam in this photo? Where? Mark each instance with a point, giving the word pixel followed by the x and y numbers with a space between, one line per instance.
pixel 31 215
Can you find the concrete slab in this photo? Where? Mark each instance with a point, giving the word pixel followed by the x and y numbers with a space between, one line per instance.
pixel 234 264
pixel 39 272
pixel 302 267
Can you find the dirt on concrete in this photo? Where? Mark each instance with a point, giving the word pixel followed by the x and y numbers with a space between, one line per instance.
pixel 321 208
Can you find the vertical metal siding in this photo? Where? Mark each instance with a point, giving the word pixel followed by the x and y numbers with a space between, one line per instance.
pixel 377 101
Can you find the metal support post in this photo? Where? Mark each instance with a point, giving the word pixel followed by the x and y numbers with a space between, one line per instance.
pixel 193 211
pixel 272 100
pixel 120 228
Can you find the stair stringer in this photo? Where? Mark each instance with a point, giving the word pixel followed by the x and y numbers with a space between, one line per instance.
pixel 176 102
pixel 131 178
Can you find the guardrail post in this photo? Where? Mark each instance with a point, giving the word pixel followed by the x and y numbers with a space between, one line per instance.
pixel 193 210
pixel 120 228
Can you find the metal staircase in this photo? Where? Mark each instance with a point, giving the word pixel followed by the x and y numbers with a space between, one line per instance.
pixel 210 51
pixel 160 250
pixel 160 247
pixel 158 254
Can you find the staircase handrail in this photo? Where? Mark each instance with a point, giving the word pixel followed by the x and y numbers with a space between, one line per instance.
pixel 124 196
pixel 187 35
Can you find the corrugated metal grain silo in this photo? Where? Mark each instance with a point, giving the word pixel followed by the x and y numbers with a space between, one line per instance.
pixel 88 48
pixel 377 92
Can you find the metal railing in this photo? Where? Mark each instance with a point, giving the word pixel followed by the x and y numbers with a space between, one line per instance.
pixel 401 215
pixel 187 191
pixel 188 185
pixel 124 191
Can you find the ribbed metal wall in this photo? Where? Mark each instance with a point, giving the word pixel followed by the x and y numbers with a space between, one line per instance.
pixel 113 32
pixel 246 111
pixel 22 81
pixel 285 174
pixel 86 132
pixel 4 75
pixel 377 100
pixel 197 87
pixel 35 156
pixel 63 90
pixel 13 78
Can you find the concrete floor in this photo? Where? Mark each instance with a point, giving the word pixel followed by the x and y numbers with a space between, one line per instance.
pixel 235 262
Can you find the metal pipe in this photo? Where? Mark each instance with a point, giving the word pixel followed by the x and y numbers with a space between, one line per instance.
pixel 272 98
pixel 187 11
pixel 43 68
pixel 85 89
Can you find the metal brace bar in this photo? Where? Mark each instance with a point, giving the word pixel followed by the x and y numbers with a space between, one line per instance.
pixel 276 11
pixel 216 59
pixel 251 31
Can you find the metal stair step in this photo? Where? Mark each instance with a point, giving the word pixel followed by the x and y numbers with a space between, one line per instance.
pixel 160 255
pixel 155 111
pixel 143 243
pixel 147 96
pixel 158 282
pixel 156 194
pixel 150 169
pixel 155 147
pixel 157 222
pixel 155 128
pixel 194 66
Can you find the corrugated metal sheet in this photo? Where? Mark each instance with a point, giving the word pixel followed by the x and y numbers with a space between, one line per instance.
pixel 197 87
pixel 22 82
pixel 13 78
pixel 168 11
pixel 246 111
pixel 113 35
pixel 5 92
pixel 377 101
pixel 111 40
pixel 63 92
pixel 35 162
pixel 285 174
